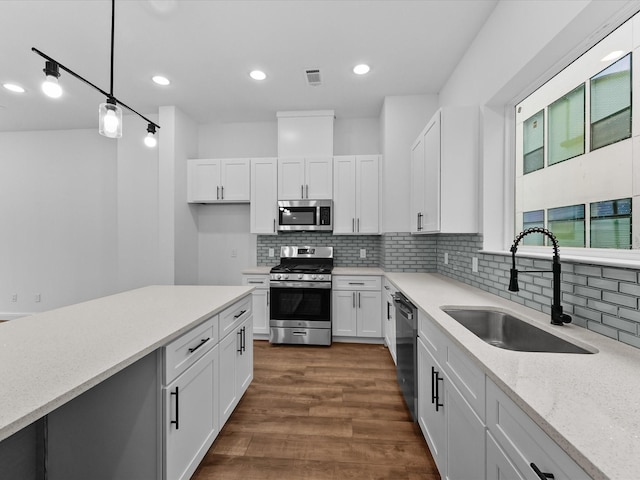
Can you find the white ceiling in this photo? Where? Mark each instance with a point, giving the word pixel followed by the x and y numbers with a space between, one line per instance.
pixel 207 48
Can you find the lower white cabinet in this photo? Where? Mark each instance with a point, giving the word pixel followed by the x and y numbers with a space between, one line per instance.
pixel 498 464
pixel 523 443
pixel 261 299
pixel 190 416
pixel 236 367
pixel 356 307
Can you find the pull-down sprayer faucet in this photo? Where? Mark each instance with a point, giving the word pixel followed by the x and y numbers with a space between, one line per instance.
pixel 557 317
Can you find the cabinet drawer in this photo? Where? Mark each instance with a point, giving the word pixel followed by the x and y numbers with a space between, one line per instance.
pixel 258 281
pixel 184 351
pixel 357 283
pixel 433 338
pixel 524 442
pixel 234 316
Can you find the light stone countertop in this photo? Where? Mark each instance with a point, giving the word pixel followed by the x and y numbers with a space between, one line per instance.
pixel 589 404
pixel 257 270
pixel 336 271
pixel 50 358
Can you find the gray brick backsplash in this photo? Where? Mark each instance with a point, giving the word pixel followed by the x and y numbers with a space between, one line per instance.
pixel 602 299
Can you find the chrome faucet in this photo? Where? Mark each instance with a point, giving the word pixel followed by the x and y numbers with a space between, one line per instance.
pixel 557 317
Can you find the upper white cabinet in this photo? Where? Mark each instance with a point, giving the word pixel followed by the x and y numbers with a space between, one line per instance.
pixel 218 180
pixel 356 194
pixel 263 210
pixel 444 173
pixel 305 178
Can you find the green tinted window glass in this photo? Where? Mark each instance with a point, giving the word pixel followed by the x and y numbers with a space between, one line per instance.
pixel 611 104
pixel 611 224
pixel 533 142
pixel 566 126
pixel 532 219
pixel 567 224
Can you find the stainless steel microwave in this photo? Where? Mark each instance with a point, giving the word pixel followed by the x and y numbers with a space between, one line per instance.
pixel 305 215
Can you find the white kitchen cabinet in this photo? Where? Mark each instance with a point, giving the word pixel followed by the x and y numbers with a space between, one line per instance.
pixel 218 180
pixel 389 318
pixel 236 367
pixel 261 299
pixel 190 416
pixel 356 306
pixel 305 178
pixel 444 173
pixel 453 427
pixel 523 442
pixel 263 211
pixel 356 194
pixel 498 464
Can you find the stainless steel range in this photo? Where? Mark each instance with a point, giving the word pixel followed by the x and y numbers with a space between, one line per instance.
pixel 300 288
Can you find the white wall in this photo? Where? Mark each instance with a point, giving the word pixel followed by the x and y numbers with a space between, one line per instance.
pixel 401 120
pixel 58 217
pixel 356 136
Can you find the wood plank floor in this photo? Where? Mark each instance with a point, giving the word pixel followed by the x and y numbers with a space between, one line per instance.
pixel 318 413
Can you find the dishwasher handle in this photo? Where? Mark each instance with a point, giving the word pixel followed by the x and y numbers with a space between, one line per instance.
pixel 407 309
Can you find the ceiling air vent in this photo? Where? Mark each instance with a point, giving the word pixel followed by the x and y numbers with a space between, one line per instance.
pixel 313 77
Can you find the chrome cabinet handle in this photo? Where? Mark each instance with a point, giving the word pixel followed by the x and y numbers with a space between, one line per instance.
pixel 268 297
pixel 301 191
pixel 307 190
pixel 239 349
pixel 353 299
pixel 353 225
pixel 222 190
pixel 176 422
pixel 359 304
pixel 243 343
pixel 358 229
pixel 218 192
pixel 274 225
pixel 356 283
pixel 202 342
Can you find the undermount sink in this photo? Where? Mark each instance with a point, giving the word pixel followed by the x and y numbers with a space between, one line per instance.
pixel 505 331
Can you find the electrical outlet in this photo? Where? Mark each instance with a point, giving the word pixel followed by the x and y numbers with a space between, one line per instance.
pixel 14 297
pixel 234 253
pixel 474 264
pixel 446 258
pixel 272 253
pixel 37 297
pixel 363 253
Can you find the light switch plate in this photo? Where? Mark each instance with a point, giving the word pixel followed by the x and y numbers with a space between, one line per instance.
pixel 474 264
pixel 271 252
pixel 446 258
pixel 363 253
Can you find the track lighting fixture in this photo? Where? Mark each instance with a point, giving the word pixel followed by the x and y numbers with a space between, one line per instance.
pixel 50 86
pixel 110 113
pixel 150 140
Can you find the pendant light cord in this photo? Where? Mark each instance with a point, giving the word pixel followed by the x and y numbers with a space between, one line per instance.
pixel 113 23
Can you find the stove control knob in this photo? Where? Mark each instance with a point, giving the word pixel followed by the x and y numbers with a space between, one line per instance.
pixel 286 275
pixel 320 277
pixel 278 277
pixel 313 277
pixel 300 276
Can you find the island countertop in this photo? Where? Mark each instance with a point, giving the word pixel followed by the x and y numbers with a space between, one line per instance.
pixel 588 404
pixel 52 357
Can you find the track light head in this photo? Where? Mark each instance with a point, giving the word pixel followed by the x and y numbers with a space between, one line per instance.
pixel 150 140
pixel 50 86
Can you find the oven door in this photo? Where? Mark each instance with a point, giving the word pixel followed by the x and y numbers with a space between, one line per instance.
pixel 300 304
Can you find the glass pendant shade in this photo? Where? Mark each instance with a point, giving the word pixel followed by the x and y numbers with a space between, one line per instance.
pixel 110 120
pixel 51 87
pixel 150 140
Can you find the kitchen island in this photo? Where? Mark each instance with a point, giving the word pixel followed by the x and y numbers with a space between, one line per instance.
pixel 588 404
pixel 53 358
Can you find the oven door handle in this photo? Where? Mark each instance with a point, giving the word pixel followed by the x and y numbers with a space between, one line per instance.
pixel 294 285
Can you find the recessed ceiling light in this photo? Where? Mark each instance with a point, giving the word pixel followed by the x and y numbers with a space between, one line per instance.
pixel 361 69
pixel 612 56
pixel 160 80
pixel 13 87
pixel 257 75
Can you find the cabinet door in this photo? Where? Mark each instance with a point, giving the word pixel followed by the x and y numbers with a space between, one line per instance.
pixel 417 185
pixel 264 195
pixel 367 197
pixel 344 195
pixel 244 365
pixel 203 182
pixel 191 417
pixel 432 422
pixel 431 220
pixel 343 313
pixel 499 467
pixel 261 310
pixel 235 184
pixel 465 437
pixel 229 347
pixel 369 318
pixel 290 178
pixel 319 178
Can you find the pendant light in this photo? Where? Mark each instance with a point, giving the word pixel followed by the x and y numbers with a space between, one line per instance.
pixel 109 112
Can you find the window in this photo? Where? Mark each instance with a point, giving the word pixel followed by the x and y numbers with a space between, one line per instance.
pixel 611 224
pixel 611 104
pixel 566 126
pixel 533 134
pixel 567 224
pixel 530 220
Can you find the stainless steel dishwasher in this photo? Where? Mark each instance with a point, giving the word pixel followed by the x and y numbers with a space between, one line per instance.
pixel 406 351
